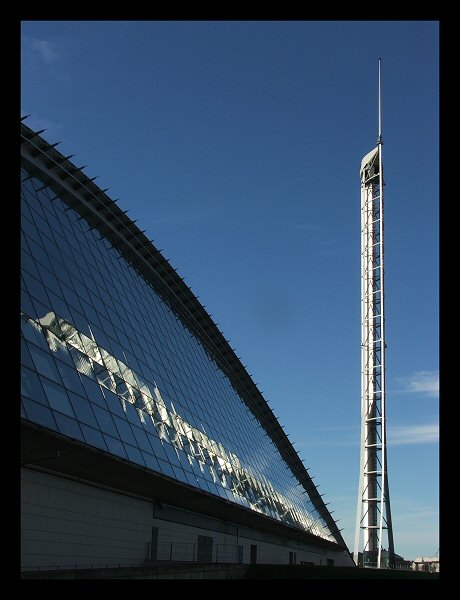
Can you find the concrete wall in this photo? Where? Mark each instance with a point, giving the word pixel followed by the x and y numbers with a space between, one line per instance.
pixel 69 523
pixel 65 522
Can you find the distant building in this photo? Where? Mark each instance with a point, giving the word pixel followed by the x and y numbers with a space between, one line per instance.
pixel 400 563
pixel 143 437
pixel 427 564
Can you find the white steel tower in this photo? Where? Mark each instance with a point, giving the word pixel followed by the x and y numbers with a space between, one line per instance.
pixel 373 516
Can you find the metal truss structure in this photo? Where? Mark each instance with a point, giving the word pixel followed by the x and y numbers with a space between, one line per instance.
pixel 373 512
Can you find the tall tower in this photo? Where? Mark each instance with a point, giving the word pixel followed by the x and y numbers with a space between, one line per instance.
pixel 373 515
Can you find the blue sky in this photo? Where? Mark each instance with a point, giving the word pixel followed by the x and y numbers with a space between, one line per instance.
pixel 237 146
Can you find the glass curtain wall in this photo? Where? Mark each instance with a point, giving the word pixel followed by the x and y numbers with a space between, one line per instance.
pixel 105 360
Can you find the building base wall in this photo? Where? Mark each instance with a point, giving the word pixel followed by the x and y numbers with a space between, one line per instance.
pixel 74 524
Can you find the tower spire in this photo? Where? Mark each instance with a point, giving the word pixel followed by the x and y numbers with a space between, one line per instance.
pixel 380 102
pixel 373 515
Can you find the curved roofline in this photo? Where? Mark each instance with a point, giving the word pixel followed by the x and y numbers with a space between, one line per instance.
pixel 104 214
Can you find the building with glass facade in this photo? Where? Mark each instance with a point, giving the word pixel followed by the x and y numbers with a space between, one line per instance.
pixel 143 437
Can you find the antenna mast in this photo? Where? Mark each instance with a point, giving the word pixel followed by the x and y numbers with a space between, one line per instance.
pixel 373 515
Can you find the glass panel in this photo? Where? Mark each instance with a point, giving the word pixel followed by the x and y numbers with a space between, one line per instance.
pixel 93 437
pixel 31 386
pixel 115 446
pixel 91 348
pixel 23 411
pixel 33 332
pixel 70 378
pixel 82 362
pixel 141 439
pixel 41 307
pixel 180 474
pixel 114 404
pixel 166 468
pixel 26 304
pixel 103 376
pixel 124 431
pixel 131 413
pixel 38 253
pixel 151 461
pixel 83 410
pixel 57 397
pixel 138 399
pixel 68 426
pixel 110 362
pixel 59 305
pixel 134 454
pixel 50 281
pixel 171 454
pixel 44 363
pixel 28 263
pixel 102 339
pixel 93 391
pixel 191 479
pixel 157 446
pixel 39 414
pixel 122 388
pixel 26 359
pixel 152 339
pixel 104 418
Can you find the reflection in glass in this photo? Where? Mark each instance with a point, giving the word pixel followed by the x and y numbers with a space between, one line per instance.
pixel 143 404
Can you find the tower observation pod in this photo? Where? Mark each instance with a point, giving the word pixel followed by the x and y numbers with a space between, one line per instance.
pixel 373 515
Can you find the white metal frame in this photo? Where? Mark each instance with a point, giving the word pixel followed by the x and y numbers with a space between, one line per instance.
pixel 373 511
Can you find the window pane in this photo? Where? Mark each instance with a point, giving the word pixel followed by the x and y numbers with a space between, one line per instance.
pixel 31 386
pixel 26 304
pixel 157 446
pixel 26 359
pixel 70 378
pixel 124 430
pixel 134 454
pixel 148 424
pixel 103 376
pixel 171 453
pixel 68 426
pixel 83 410
pixel 59 305
pixel 166 468
pixel 82 362
pixel 39 414
pixel 57 397
pixel 180 474
pixel 23 411
pixel 93 437
pixel 104 418
pixel 131 413
pixel 114 404
pixel 115 446
pixel 141 439
pixel 44 362
pixel 33 332
pixel 93 391
pixel 150 461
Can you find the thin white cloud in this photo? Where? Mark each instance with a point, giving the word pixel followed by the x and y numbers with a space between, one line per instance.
pixel 425 383
pixel 44 50
pixel 413 434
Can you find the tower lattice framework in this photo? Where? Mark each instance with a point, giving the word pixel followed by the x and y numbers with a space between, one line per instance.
pixel 373 518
